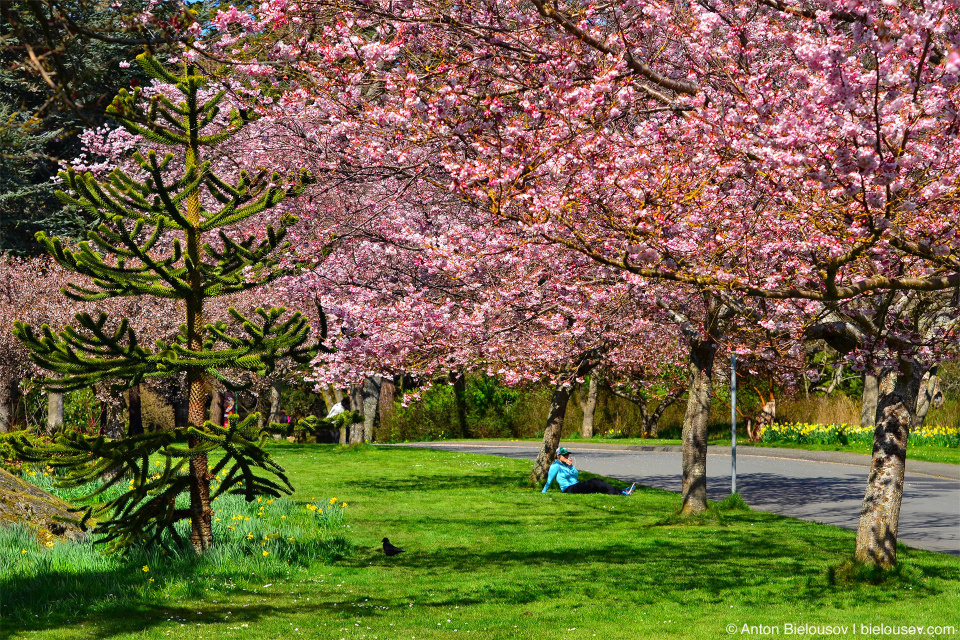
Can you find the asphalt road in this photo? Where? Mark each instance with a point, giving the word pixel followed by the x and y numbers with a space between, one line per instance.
pixel 819 486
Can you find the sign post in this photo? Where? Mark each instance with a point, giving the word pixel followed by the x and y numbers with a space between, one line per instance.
pixel 733 423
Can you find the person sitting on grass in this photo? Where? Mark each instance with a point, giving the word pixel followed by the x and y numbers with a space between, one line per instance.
pixel 566 475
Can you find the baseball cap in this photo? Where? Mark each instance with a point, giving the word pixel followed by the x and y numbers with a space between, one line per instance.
pixel 563 451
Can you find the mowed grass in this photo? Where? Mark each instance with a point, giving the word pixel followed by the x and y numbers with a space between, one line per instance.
pixel 489 557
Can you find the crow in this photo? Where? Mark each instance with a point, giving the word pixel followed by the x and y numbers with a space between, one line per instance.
pixel 389 549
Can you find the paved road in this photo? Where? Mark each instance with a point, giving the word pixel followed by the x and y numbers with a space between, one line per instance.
pixel 818 486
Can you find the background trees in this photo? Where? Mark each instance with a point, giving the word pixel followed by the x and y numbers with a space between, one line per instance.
pixel 764 150
pixel 521 188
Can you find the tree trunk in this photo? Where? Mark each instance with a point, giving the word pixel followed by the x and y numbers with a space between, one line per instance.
pixel 134 411
pixel 262 407
pixel 54 412
pixel 216 407
pixel 460 395
pixel 880 512
pixel 356 404
pixel 276 394
pixel 871 388
pixel 929 392
pixel 327 397
pixel 589 408
pixel 371 404
pixel 551 434
pixel 694 435
pixel 651 419
pixel 201 513
pixel 388 392
pixel 6 409
pixel 9 390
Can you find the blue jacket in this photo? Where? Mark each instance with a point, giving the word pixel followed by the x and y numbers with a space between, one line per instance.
pixel 565 475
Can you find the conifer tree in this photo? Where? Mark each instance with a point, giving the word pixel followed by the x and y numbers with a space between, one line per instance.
pixel 153 239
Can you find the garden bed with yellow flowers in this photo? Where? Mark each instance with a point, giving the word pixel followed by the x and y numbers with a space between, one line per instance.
pixel 846 434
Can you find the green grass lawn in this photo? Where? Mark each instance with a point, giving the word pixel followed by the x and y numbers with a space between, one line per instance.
pixel 487 557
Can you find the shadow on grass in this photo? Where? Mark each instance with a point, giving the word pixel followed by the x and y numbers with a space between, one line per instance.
pixel 756 557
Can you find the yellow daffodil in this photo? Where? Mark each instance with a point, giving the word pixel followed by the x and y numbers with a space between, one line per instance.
pixel 146 568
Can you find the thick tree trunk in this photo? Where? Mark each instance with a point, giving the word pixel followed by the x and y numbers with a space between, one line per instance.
pixel 134 411
pixel 54 411
pixel 371 405
pixel 551 434
pixel 201 513
pixel 460 396
pixel 871 389
pixel 880 512
pixel 388 392
pixel 694 435
pixel 589 407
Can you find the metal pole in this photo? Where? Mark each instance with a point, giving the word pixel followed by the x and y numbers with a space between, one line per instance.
pixel 733 423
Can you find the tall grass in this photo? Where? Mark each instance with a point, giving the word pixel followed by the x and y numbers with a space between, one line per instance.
pixel 264 539
pixel 834 409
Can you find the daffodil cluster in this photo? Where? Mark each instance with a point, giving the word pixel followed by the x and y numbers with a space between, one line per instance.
pixel 843 434
pixel 329 515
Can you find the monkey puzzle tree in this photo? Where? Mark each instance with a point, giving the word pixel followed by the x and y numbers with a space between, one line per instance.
pixel 154 239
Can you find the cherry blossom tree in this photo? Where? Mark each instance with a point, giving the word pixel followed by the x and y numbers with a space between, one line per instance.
pixel 765 149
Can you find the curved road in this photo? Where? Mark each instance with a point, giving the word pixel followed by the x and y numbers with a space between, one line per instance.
pixel 820 486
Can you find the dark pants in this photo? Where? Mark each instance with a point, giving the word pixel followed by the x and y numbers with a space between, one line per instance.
pixel 593 485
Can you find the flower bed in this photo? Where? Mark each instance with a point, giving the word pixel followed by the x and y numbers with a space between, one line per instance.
pixel 843 434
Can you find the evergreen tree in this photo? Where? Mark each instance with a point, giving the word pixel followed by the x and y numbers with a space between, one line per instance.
pixel 152 240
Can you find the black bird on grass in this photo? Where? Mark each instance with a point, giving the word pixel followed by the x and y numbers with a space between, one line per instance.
pixel 389 549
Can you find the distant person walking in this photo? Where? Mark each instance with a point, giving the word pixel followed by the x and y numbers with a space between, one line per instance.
pixel 567 476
